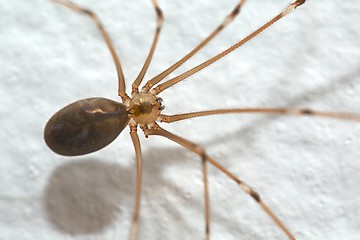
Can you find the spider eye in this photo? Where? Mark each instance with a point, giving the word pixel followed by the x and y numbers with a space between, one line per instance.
pixel 85 126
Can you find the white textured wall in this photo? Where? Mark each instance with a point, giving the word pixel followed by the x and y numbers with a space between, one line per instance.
pixel 306 169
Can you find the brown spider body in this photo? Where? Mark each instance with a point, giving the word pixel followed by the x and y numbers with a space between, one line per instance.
pixel 85 126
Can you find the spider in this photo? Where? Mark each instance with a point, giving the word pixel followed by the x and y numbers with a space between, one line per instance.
pixel 88 125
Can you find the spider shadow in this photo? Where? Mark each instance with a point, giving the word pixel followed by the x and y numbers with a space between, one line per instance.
pixel 308 96
pixel 82 196
pixel 87 196
pixel 186 164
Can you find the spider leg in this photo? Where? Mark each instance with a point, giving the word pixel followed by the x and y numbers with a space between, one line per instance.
pixel 159 23
pixel 105 35
pixel 136 143
pixel 161 87
pixel 281 111
pixel 172 68
pixel 201 152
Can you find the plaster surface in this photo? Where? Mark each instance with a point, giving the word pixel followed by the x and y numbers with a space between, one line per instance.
pixel 306 169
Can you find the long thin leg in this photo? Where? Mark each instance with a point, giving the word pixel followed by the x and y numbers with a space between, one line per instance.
pixel 206 198
pixel 172 68
pixel 173 81
pixel 135 221
pixel 105 35
pixel 159 23
pixel 147 132
pixel 201 152
pixel 282 111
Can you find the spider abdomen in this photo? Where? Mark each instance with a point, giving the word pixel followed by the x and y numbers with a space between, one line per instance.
pixel 85 126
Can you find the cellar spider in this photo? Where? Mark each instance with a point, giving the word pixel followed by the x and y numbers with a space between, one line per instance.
pixel 143 109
